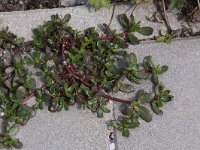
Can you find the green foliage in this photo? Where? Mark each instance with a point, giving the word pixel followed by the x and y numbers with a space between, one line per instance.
pixel 99 3
pixel 7 141
pixel 130 26
pixel 50 34
pixel 79 68
pixel 177 3
pixel 8 40
pixel 161 96
pixel 165 37
pixel 137 110
pixel 154 69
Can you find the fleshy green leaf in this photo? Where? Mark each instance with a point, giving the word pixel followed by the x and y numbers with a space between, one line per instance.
pixel 141 75
pixel 99 3
pixel 146 31
pixel 133 124
pixel 163 69
pixel 108 73
pixel 148 62
pixel 176 3
pixel 49 80
pixel 18 144
pixel 144 97
pixel 7 45
pixel 18 41
pixel 125 132
pixel 99 113
pixel 66 18
pixel 105 110
pixel 144 113
pixel 155 78
pixel 123 20
pixel 155 108
pixel 127 88
pixel 38 93
pixel 132 58
pixel 114 123
pixel 133 39
pixel 133 79
pixel 161 39
pixel 30 61
pixel 31 84
pixel 167 98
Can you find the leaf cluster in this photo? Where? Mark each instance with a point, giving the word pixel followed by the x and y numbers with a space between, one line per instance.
pixel 165 37
pixel 16 83
pixel 131 25
pixel 50 34
pixel 137 109
pixel 9 40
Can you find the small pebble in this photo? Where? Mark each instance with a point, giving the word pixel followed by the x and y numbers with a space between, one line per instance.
pixel 21 2
pixel 2 114
pixel 112 146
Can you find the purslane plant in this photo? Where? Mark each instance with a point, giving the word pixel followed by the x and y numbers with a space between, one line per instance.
pixel 78 67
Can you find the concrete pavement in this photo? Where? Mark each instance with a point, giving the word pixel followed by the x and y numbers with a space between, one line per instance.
pixel 179 126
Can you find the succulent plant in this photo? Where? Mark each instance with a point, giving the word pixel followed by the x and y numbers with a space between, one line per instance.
pixel 78 67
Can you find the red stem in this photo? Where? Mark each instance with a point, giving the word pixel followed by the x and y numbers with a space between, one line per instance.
pixel 64 43
pixel 145 70
pixel 28 97
pixel 111 37
pixel 115 99
pixel 72 71
pixel 95 88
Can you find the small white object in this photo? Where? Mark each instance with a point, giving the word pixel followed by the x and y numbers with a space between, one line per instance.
pixel 21 2
pixel 112 146
pixel 2 114
pixel 64 62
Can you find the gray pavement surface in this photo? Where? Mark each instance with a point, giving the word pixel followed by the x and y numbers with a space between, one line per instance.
pixel 67 130
pixel 179 127
pixel 22 23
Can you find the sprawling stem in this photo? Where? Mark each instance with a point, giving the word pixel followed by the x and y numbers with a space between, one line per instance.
pixel 111 37
pixel 28 97
pixel 71 70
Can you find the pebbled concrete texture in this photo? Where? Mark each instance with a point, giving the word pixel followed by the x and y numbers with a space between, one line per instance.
pixel 176 22
pixel 21 23
pixel 140 15
pixel 74 129
pixel 67 130
pixel 179 127
pixel 173 20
